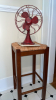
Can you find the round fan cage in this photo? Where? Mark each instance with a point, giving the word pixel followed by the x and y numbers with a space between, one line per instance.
pixel 32 11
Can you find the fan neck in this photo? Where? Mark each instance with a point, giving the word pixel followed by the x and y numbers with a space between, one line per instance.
pixel 28 39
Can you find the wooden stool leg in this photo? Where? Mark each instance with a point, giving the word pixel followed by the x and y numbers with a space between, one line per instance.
pixel 14 72
pixel 34 68
pixel 18 60
pixel 45 70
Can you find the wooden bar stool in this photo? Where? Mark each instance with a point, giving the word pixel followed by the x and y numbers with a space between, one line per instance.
pixel 26 51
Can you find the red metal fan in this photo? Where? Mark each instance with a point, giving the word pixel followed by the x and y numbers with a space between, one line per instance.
pixel 32 18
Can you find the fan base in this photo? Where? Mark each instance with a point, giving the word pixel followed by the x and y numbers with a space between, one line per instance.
pixel 27 43
pixel 28 40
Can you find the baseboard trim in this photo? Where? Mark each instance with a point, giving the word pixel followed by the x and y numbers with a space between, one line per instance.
pixel 7 83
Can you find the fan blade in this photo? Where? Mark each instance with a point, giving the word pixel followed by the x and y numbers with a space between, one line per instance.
pixel 26 27
pixel 25 15
pixel 35 20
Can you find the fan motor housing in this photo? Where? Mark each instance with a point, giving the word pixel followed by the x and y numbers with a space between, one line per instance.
pixel 28 20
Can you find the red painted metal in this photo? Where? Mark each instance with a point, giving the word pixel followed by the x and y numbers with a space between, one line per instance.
pixel 28 21
pixel 26 26
pixel 28 40
pixel 35 20
pixel 25 15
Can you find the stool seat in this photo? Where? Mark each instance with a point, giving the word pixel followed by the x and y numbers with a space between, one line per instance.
pixel 17 46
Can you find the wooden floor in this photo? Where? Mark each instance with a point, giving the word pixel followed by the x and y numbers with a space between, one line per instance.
pixel 54 80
